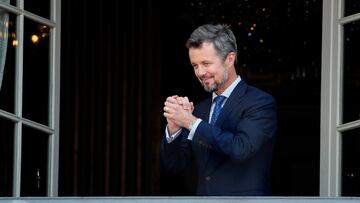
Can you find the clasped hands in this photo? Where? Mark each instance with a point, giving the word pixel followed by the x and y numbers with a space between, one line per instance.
pixel 178 113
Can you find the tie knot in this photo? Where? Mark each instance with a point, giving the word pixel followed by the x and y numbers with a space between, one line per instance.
pixel 219 99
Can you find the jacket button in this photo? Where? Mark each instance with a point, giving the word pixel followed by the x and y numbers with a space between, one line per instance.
pixel 207 178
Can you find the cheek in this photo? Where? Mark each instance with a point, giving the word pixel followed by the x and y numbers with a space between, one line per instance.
pixel 197 73
pixel 219 75
pixel 201 72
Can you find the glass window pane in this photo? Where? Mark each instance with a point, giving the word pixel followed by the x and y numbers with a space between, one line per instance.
pixel 8 44
pixel 351 82
pixel 41 8
pixel 12 2
pixel 352 7
pixel 34 162
pixel 36 72
pixel 350 163
pixel 6 157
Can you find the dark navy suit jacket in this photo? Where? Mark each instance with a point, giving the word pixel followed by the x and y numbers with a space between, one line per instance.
pixel 233 157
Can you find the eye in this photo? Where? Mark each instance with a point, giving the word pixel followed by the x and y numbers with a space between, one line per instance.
pixel 195 66
pixel 206 64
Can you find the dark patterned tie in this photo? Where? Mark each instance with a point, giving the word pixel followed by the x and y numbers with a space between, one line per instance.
pixel 218 102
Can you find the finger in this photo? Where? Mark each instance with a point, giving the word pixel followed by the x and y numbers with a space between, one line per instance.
pixel 186 103
pixel 180 100
pixel 173 109
pixel 172 100
pixel 171 105
pixel 186 100
pixel 168 109
pixel 167 115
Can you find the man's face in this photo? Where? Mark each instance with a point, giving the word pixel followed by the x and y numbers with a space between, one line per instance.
pixel 209 67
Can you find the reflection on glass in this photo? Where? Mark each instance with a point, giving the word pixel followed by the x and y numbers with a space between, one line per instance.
pixel 6 157
pixel 12 2
pixel 36 72
pixel 41 8
pixel 350 163
pixel 7 61
pixel 351 82
pixel 4 27
pixel 352 7
pixel 34 162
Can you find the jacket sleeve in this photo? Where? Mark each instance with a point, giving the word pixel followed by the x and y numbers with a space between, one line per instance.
pixel 176 155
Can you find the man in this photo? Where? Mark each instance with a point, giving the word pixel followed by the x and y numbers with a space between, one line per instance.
pixel 231 140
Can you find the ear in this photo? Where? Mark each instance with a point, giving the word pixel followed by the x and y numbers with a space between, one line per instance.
pixel 230 58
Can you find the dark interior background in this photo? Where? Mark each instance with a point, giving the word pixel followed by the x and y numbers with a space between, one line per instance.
pixel 120 60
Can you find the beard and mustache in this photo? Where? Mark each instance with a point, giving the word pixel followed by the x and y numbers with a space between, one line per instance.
pixel 215 86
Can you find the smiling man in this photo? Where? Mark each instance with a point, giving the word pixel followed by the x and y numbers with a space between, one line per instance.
pixel 231 134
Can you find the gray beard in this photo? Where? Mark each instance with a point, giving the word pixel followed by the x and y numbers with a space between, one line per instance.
pixel 215 86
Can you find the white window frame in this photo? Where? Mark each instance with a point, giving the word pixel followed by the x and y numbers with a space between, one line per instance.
pixel 331 97
pixel 52 129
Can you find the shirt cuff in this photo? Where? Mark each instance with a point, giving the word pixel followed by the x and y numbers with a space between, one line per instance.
pixel 170 138
pixel 193 129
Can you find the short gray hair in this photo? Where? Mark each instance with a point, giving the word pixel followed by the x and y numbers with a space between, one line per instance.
pixel 220 35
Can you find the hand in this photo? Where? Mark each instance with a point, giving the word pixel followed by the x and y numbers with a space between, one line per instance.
pixel 172 126
pixel 178 113
pixel 187 105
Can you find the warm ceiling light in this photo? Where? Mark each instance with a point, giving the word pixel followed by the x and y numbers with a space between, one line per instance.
pixel 14 42
pixel 34 39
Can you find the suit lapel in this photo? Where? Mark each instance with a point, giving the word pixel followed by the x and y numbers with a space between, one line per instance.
pixel 232 101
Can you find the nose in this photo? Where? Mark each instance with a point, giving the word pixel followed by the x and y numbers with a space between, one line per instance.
pixel 201 71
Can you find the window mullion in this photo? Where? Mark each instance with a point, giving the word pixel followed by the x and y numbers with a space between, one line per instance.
pixel 18 105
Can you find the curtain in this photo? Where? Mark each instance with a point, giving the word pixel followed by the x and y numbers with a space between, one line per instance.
pixel 4 19
pixel 110 99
